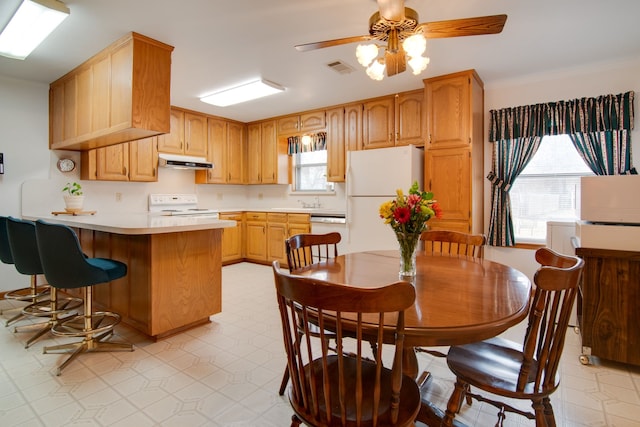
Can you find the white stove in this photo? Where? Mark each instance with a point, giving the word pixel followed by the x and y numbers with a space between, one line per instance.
pixel 179 205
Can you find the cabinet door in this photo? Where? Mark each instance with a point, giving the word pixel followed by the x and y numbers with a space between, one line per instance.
pixel 447 173
pixel 377 123
pixel 353 127
pixel 269 152
pixel 256 240
pixel 232 238
pixel 254 153
pixel 448 112
pixel 314 120
pixel 235 153
pixel 143 159
pixel 112 162
pixel 335 145
pixel 288 125
pixel 195 135
pixel 216 153
pixel 410 118
pixel 83 102
pixel 276 235
pixel 173 142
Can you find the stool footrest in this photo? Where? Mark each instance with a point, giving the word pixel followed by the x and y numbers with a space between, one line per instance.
pixel 44 309
pixel 25 294
pixel 76 326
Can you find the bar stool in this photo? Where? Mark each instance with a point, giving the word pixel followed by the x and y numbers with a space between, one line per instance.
pixel 30 294
pixel 65 266
pixel 26 258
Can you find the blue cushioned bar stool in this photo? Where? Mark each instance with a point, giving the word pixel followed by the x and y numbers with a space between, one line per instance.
pixel 26 258
pixel 65 266
pixel 30 294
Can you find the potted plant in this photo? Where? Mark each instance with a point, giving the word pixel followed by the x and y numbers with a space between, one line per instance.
pixel 73 197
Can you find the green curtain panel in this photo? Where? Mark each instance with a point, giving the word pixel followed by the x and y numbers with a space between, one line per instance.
pixel 600 131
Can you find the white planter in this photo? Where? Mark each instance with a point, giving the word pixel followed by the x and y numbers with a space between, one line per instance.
pixel 73 204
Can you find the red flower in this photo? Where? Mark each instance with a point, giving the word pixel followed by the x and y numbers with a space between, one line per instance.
pixel 437 209
pixel 402 214
pixel 413 200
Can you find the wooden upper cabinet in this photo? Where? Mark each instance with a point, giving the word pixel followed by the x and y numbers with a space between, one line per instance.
pixel 300 123
pixel 267 160
pixel 128 161
pixel 448 112
pixel 410 118
pixel 188 134
pixel 378 123
pixel 121 94
pixel 226 152
pixel 336 151
pixel 353 127
pixel 254 153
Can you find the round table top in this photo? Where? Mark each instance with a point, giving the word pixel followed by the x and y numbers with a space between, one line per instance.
pixel 458 299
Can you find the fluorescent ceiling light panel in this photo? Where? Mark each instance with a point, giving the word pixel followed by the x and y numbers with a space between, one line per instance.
pixel 31 24
pixel 242 93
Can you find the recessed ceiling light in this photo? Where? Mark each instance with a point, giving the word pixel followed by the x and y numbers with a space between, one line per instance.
pixel 30 25
pixel 242 93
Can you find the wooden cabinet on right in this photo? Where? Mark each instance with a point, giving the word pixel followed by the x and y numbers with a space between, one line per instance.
pixel 336 150
pixel 454 151
pixel 608 305
pixel 394 120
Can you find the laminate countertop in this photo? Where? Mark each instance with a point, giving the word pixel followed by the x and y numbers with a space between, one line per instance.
pixel 136 223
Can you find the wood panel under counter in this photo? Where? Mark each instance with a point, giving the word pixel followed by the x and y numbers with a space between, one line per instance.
pixel 174 278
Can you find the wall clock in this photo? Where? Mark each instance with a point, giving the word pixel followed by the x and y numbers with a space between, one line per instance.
pixel 66 165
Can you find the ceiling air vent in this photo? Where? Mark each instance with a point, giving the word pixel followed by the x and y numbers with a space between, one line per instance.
pixel 340 67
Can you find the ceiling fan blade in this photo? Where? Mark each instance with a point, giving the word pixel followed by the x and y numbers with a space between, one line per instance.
pixel 463 27
pixel 328 43
pixel 391 10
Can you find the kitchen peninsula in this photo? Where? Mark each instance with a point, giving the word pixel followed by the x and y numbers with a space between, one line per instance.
pixel 174 277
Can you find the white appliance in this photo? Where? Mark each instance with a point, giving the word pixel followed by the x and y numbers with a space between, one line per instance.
pixel 373 177
pixel 179 205
pixel 331 222
pixel 610 212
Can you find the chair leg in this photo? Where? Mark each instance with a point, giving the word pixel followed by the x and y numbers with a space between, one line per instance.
pixel 285 381
pixel 295 421
pixel 548 412
pixel 540 415
pixel 29 295
pixel 454 404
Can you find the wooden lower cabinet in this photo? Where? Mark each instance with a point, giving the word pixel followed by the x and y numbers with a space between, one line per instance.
pixel 276 235
pixel 232 238
pixel 256 236
pixel 608 313
pixel 173 281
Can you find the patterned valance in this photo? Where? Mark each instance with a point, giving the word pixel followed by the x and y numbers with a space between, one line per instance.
pixel 318 143
pixel 604 113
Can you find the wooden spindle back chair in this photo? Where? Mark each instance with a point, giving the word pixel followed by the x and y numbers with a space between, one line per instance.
pixel 345 388
pixel 305 249
pixel 529 370
pixel 454 243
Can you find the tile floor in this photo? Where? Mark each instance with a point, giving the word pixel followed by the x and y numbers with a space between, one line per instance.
pixel 227 373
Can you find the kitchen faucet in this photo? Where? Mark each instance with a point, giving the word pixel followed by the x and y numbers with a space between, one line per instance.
pixel 315 204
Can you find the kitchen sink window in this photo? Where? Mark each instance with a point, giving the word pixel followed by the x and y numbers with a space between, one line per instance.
pixel 547 189
pixel 311 171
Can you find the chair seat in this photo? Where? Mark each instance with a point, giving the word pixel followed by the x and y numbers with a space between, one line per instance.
pixel 409 393
pixel 495 364
pixel 112 268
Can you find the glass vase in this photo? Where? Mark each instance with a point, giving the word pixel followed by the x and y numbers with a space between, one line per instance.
pixel 408 243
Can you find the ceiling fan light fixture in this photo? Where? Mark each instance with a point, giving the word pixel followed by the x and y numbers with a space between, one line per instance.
pixel 30 25
pixel 366 53
pixel 418 64
pixel 415 45
pixel 242 93
pixel 376 70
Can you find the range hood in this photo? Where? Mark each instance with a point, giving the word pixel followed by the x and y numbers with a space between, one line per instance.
pixel 176 161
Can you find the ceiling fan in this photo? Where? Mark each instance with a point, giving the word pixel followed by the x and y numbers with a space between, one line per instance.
pixel 398 26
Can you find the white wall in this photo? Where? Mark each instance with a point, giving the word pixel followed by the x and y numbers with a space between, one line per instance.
pixel 24 142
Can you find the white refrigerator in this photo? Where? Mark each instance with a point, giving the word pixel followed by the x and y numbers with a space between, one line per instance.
pixel 373 176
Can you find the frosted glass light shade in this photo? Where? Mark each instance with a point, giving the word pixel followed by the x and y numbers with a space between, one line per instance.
pixel 415 45
pixel 30 25
pixel 366 53
pixel 418 64
pixel 246 92
pixel 376 70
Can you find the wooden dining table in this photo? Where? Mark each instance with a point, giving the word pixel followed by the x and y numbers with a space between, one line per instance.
pixel 458 299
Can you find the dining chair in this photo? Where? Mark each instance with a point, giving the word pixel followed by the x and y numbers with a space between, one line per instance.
pixel 66 266
pixel 527 371
pixel 345 388
pixel 302 250
pixel 454 243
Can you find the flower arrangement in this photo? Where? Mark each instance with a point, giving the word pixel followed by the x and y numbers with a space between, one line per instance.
pixel 408 216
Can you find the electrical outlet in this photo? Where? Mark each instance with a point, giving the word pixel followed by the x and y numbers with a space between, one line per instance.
pixel 118 197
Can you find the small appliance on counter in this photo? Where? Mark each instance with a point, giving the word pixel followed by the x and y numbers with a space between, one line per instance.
pixel 179 204
pixel 610 212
